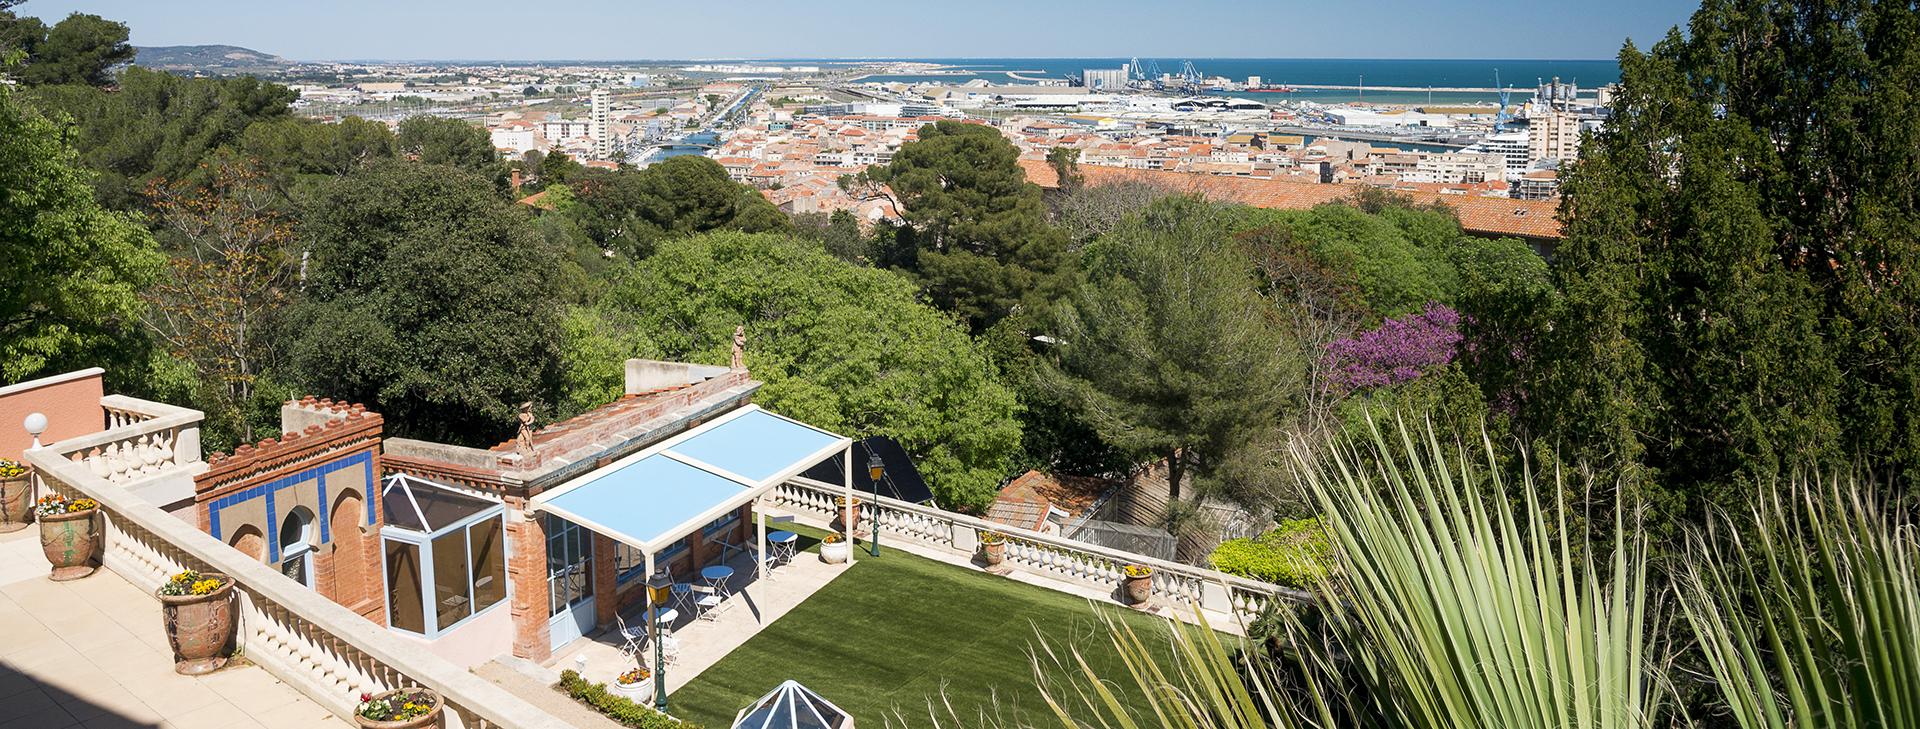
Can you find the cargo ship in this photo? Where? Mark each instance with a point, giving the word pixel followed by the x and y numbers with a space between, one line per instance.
pixel 1270 89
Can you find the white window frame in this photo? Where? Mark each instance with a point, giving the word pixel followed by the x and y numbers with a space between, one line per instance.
pixel 424 543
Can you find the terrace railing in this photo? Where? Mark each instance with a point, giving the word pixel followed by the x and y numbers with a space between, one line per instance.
pixel 143 440
pixel 1043 554
pixel 325 651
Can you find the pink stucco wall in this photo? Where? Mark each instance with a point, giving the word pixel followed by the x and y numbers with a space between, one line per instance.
pixel 71 403
pixel 478 641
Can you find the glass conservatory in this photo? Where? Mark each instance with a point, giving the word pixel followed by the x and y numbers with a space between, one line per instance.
pixel 445 553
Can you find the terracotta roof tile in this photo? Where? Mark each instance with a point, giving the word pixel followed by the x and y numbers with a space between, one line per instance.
pixel 1483 215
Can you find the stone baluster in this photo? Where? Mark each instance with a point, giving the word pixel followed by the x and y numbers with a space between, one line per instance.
pixel 147 461
pixel 165 450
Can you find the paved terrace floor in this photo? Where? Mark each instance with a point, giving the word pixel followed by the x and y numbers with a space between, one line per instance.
pixel 754 605
pixel 92 653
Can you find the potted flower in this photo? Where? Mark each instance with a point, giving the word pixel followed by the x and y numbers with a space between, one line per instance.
pixel 834 549
pixel 636 685
pixel 995 546
pixel 1138 581
pixel 68 535
pixel 398 709
pixel 16 495
pixel 197 610
pixel 849 511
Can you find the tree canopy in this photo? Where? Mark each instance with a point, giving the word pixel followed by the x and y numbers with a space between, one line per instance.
pixel 1167 346
pixel 843 347
pixel 159 125
pixel 73 272
pixel 82 49
pixel 984 246
pixel 429 298
pixel 628 210
pixel 1738 297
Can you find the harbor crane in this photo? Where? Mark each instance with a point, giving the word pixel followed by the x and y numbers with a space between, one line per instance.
pixel 1500 119
pixel 1189 77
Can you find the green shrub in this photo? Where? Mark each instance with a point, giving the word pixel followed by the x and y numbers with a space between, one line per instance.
pixel 1295 555
pixel 616 707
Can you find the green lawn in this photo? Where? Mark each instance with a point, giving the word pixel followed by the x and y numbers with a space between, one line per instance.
pixel 894 631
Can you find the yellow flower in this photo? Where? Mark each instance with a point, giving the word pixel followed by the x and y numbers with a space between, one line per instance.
pixel 205 587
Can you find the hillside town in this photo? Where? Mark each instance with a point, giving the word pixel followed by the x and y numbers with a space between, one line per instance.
pixel 776 387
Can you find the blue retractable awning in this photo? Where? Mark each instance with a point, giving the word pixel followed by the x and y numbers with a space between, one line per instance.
pixel 656 496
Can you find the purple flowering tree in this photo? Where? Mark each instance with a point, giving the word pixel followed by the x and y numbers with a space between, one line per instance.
pixel 1401 349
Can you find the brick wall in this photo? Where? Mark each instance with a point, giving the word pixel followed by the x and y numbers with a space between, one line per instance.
pixel 347 569
pixel 590 428
pixel 527 569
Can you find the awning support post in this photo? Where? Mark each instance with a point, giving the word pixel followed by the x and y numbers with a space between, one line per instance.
pixel 846 514
pixel 760 518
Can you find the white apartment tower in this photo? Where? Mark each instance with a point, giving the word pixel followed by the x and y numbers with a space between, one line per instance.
pixel 1553 134
pixel 599 123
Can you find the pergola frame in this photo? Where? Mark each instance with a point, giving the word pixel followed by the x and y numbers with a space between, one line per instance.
pixel 678 463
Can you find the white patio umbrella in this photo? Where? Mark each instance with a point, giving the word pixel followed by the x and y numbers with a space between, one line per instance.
pixel 792 706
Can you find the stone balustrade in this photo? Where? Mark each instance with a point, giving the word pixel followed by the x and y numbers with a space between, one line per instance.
pixel 325 651
pixel 143 440
pixel 1043 554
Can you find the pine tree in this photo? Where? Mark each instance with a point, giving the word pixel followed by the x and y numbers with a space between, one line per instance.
pixel 1738 278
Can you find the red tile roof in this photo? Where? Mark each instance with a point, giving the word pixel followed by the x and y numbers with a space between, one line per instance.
pixel 1481 215
pixel 1025 502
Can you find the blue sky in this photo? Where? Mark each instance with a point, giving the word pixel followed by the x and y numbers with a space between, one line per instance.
pixel 647 29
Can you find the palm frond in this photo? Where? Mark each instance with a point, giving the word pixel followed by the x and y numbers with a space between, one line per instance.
pixel 1833 639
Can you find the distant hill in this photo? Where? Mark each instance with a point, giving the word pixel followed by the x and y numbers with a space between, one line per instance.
pixel 216 59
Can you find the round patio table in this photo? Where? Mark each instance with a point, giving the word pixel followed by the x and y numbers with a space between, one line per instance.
pixel 783 543
pixel 665 614
pixel 717 573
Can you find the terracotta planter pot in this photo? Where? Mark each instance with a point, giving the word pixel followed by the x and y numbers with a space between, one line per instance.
pixel 640 693
pixel 70 541
pixel 1138 589
pixel 996 552
pixel 834 553
pixel 431 718
pixel 16 502
pixel 200 627
pixel 849 515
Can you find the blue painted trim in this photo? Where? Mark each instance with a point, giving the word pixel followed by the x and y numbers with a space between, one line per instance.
pixel 363 459
pixel 373 490
pixel 273 525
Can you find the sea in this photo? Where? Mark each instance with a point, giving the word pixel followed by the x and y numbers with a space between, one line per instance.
pixel 1522 76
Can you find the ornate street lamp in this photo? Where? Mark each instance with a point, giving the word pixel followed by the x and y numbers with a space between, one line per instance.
pixel 657 585
pixel 875 469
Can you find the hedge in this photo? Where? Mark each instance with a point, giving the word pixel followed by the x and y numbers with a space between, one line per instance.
pixel 1297 554
pixel 616 707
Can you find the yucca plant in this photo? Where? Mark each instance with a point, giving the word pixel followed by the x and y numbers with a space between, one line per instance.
pixel 1194 682
pixel 1833 637
pixel 1444 612
pixel 1457 613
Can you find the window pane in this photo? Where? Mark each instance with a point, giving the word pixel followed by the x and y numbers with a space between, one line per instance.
pixel 489 564
pixel 295 568
pixel 451 598
pixel 403 587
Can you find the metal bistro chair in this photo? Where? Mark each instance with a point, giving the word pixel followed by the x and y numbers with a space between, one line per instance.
pixel 635 638
pixel 683 595
pixel 771 559
pixel 670 650
pixel 711 602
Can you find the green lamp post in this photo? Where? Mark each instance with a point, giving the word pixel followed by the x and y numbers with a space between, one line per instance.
pixel 875 469
pixel 657 584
